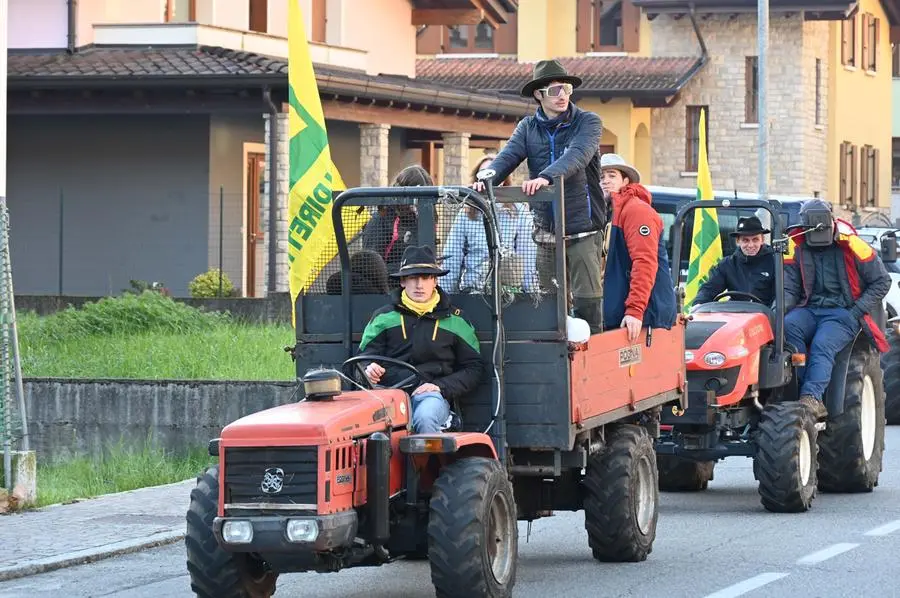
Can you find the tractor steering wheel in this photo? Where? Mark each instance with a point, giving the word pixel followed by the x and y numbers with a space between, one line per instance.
pixel 735 294
pixel 358 360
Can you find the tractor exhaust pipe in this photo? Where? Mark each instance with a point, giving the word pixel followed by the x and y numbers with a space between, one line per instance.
pixel 378 471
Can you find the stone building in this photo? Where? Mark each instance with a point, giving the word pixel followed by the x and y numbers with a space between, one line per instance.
pixel 829 95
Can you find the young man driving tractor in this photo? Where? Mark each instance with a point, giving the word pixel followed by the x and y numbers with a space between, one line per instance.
pixel 833 283
pixel 422 328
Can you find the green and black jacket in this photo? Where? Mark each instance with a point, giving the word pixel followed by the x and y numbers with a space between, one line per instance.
pixel 441 344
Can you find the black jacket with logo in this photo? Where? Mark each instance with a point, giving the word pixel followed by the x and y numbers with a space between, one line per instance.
pixel 441 344
pixel 739 272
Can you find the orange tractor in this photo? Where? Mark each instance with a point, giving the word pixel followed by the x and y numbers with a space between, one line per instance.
pixel 743 397
pixel 338 480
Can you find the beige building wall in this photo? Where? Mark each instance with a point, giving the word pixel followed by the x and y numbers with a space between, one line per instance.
pixel 797 144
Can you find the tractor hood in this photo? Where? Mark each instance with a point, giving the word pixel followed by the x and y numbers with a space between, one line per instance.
pixel 355 413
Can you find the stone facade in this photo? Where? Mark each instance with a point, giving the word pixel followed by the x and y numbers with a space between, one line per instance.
pixel 797 143
pixel 373 155
pixel 456 158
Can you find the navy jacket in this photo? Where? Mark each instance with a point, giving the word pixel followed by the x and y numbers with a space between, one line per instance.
pixel 567 147
pixel 738 272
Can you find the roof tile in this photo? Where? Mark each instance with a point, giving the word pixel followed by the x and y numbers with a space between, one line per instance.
pixel 600 74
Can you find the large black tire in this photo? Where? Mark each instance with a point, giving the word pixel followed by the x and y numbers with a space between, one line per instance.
pixel 214 572
pixel 890 364
pixel 677 474
pixel 621 501
pixel 473 536
pixel 852 445
pixel 785 462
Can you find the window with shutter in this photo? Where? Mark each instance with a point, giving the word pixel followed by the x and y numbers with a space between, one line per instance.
pixel 607 26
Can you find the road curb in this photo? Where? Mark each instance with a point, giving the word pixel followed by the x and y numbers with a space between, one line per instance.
pixel 90 555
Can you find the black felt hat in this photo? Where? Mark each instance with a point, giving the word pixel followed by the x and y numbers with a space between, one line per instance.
pixel 749 226
pixel 418 260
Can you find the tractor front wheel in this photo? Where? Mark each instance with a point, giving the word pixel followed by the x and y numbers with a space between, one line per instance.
pixel 621 501
pixel 852 445
pixel 214 572
pixel 472 531
pixel 677 474
pixel 785 462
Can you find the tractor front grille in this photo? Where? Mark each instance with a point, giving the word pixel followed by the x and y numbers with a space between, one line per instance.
pixel 272 475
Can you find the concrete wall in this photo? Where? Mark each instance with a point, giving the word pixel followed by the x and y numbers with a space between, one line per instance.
pixel 797 145
pixel 135 195
pixel 37 24
pixel 82 417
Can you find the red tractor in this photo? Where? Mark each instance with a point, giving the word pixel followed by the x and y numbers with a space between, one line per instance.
pixel 338 480
pixel 743 398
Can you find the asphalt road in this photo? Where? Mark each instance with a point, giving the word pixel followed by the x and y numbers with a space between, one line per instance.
pixel 720 544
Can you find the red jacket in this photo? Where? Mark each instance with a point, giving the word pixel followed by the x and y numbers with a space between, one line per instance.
pixel 638 280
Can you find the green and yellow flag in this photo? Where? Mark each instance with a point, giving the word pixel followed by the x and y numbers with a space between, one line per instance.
pixel 313 176
pixel 706 246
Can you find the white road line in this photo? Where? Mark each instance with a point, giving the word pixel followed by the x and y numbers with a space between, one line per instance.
pixel 748 585
pixel 883 530
pixel 826 553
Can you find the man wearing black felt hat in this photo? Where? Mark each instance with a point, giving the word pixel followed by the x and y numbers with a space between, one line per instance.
pixel 422 328
pixel 560 141
pixel 750 269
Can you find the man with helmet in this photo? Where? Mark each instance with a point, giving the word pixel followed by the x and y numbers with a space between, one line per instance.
pixel 834 283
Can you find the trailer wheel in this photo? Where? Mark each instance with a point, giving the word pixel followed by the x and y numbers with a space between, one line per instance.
pixel 214 572
pixel 472 530
pixel 890 363
pixel 852 445
pixel 785 462
pixel 621 501
pixel 677 474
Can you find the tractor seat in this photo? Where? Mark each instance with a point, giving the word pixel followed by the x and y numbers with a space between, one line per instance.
pixel 736 307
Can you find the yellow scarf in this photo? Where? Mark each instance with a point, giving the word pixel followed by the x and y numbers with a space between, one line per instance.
pixel 420 309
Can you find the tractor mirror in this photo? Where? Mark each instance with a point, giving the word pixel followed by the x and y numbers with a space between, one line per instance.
pixel 889 248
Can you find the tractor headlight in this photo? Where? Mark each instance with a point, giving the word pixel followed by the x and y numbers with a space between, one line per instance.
pixel 688 356
pixel 302 530
pixel 321 384
pixel 237 532
pixel 714 359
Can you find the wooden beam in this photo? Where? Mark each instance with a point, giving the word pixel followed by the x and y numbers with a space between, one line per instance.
pixel 416 120
pixel 435 16
pixel 488 15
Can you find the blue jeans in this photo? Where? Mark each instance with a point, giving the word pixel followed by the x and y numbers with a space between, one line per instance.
pixel 429 412
pixel 821 333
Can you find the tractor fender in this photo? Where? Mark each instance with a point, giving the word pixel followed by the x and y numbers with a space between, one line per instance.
pixel 463 444
pixel 834 394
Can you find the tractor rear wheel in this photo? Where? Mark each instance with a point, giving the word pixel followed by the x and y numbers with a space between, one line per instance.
pixel 852 445
pixel 473 535
pixel 621 501
pixel 677 474
pixel 785 462
pixel 890 363
pixel 216 573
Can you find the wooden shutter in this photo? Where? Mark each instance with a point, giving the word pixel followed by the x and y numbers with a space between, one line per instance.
pixel 864 176
pixel 631 27
pixel 319 21
pixel 875 43
pixel 429 41
pixel 506 36
pixel 865 41
pixel 845 41
pixel 583 25
pixel 854 184
pixel 875 175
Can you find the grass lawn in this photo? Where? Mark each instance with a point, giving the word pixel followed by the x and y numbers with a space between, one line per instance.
pixel 118 471
pixel 151 337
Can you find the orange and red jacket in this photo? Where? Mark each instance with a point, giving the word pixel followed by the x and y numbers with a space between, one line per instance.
pixel 637 281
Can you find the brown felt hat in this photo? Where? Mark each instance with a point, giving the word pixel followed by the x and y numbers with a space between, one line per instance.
pixel 546 71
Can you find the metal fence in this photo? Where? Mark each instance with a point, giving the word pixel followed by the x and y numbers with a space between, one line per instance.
pixel 10 365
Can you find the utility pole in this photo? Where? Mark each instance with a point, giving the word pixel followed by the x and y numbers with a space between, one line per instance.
pixel 762 82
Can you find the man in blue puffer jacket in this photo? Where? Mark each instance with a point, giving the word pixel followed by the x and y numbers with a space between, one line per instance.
pixel 561 141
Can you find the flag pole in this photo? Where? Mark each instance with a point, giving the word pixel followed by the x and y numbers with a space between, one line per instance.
pixel 762 72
